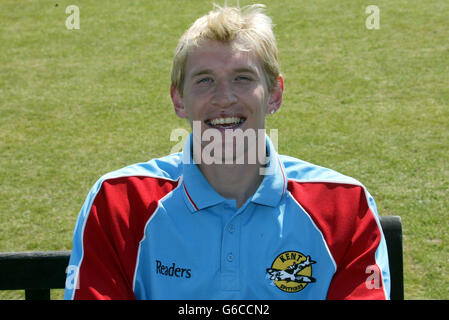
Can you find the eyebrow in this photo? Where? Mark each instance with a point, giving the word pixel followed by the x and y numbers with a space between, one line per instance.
pixel 247 69
pixel 241 69
pixel 201 72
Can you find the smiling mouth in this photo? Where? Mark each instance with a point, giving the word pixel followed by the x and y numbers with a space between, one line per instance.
pixel 225 123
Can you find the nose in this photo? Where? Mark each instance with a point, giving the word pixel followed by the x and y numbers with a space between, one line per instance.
pixel 224 95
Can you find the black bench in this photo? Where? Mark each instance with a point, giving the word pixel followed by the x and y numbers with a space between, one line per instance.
pixel 38 272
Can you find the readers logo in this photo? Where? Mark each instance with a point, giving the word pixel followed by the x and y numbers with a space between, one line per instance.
pixel 291 271
pixel 172 270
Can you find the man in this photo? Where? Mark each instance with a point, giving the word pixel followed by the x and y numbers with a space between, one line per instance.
pixel 215 222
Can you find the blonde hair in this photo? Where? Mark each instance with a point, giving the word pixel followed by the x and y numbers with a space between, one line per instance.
pixel 251 29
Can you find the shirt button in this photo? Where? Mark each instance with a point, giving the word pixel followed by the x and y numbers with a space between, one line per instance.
pixel 230 257
pixel 231 228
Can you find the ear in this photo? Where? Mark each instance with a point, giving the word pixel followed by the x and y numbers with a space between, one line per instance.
pixel 276 96
pixel 178 103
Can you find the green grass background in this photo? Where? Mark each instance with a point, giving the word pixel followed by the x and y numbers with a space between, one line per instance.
pixel 372 104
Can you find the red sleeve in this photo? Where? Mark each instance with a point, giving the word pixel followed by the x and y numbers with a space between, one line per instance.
pixel 113 231
pixel 351 232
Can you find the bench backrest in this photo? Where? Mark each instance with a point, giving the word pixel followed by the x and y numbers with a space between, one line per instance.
pixel 38 272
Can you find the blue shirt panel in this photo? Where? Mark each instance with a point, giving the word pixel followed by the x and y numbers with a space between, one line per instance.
pixel 251 238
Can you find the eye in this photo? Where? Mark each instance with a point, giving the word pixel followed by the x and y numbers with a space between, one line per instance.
pixel 243 78
pixel 204 80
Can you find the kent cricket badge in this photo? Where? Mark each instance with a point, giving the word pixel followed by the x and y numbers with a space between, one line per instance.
pixel 291 271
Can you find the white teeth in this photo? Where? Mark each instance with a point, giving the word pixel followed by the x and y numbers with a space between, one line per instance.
pixel 230 120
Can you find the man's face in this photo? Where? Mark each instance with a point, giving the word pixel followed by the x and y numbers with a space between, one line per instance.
pixel 225 89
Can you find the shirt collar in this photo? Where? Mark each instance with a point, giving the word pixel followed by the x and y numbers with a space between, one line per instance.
pixel 199 194
pixel 274 184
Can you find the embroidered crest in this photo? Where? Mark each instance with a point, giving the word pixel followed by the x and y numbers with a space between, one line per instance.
pixel 291 271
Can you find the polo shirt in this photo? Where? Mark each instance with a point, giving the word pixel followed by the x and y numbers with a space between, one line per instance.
pixel 158 230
